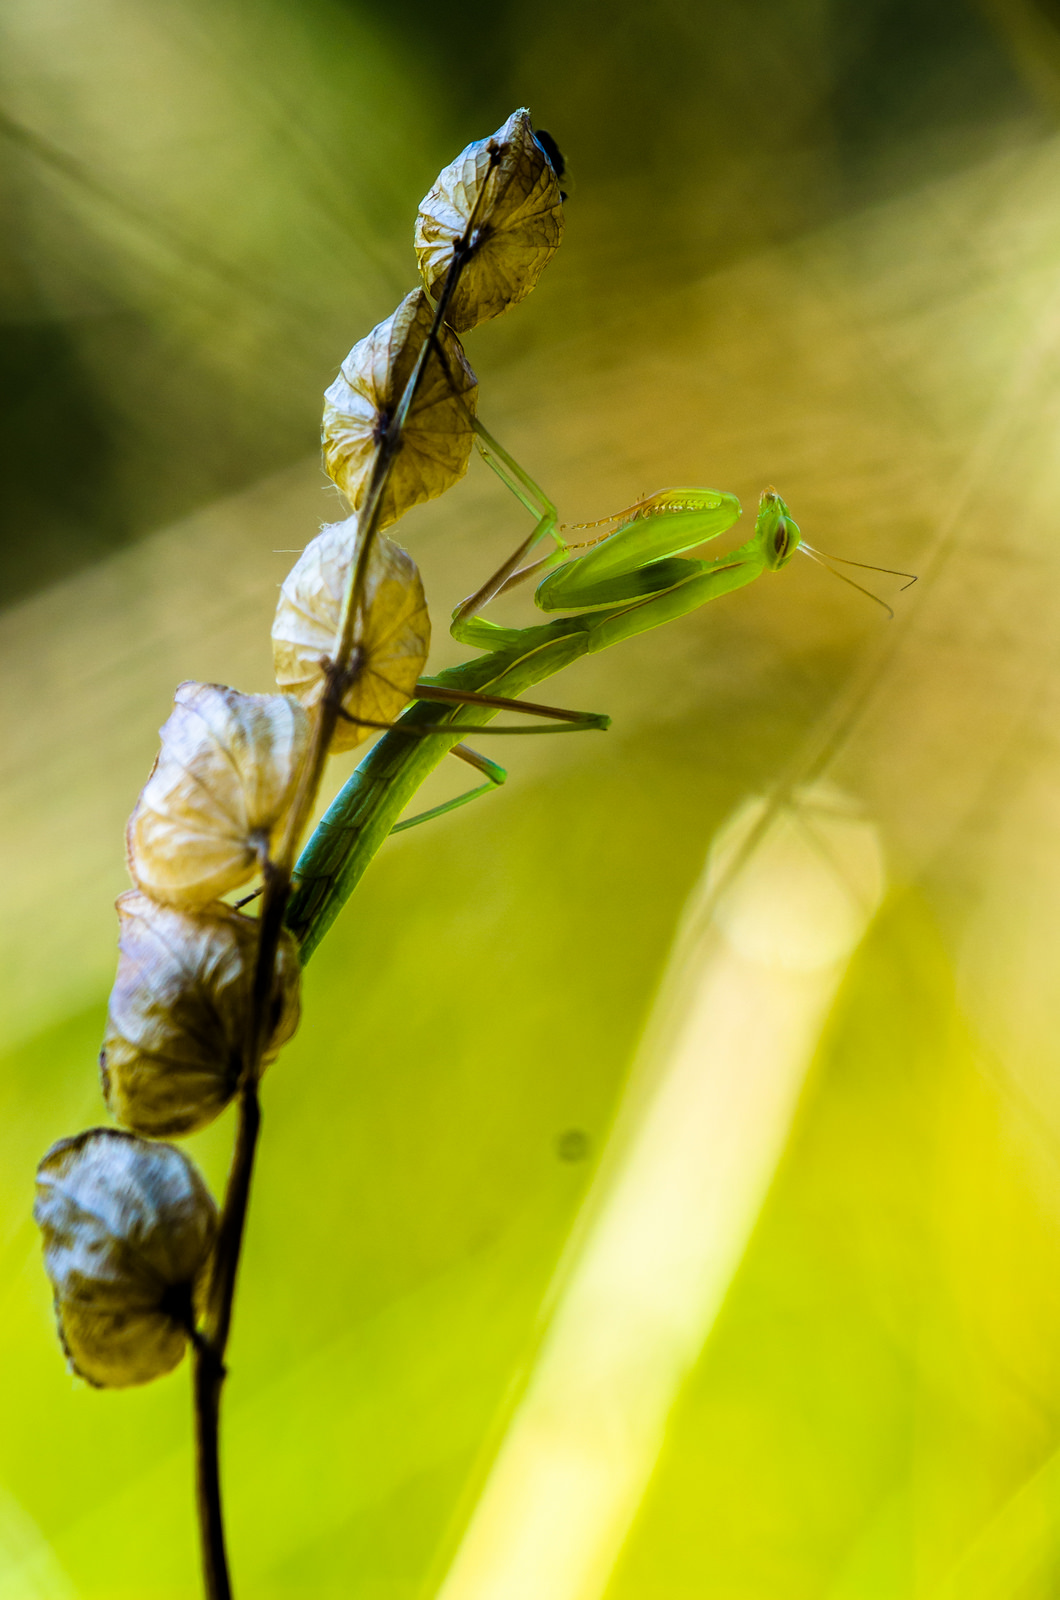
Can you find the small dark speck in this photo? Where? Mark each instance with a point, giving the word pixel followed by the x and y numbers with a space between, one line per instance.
pixel 572 1144
pixel 552 151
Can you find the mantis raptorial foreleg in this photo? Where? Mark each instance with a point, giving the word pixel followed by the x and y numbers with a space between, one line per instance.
pixel 526 491
pixel 530 495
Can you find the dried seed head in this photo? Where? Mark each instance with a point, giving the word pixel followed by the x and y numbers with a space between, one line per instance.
pixel 179 1017
pixel 218 792
pixel 436 439
pixel 392 644
pixel 128 1231
pixel 517 226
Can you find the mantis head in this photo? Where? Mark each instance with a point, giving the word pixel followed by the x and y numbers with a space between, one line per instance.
pixel 776 530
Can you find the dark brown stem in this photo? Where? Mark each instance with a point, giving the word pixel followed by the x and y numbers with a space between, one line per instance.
pixel 210 1347
pixel 211 1344
pixel 233 1221
pixel 208 1379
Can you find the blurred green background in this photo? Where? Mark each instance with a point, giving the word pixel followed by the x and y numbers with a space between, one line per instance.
pixel 813 243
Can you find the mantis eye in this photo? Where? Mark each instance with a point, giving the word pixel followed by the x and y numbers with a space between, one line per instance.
pixel 777 530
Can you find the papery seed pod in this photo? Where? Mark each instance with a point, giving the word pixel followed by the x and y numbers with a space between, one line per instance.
pixel 391 648
pixel 129 1228
pixel 436 438
pixel 517 228
pixel 178 1022
pixel 218 792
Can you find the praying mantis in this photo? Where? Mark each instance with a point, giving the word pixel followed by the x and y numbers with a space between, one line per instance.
pixel 629 579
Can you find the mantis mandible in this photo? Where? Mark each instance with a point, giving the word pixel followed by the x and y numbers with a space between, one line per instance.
pixel 627 581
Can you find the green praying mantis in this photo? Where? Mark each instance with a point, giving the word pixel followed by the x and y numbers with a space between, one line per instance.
pixel 627 580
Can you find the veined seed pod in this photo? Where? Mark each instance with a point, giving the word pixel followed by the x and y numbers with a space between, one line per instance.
pixel 391 648
pixel 178 1022
pixel 218 792
pixel 436 439
pixel 129 1228
pixel 518 223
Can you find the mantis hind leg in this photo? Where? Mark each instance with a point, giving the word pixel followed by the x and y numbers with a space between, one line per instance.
pixel 493 773
pixel 568 722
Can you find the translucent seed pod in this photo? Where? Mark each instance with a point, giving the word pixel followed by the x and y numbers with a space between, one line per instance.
pixel 129 1228
pixel 179 1017
pixel 218 792
pixel 391 647
pixel 517 229
pixel 436 439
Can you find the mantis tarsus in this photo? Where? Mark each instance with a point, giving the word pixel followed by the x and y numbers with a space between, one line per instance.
pixel 627 581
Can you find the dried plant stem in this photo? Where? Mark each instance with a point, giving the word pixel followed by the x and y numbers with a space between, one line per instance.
pixel 210 1348
pixel 340 672
pixel 207 1390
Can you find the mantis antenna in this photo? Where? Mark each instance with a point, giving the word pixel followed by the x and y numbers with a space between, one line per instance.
pixel 826 561
pixel 868 566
